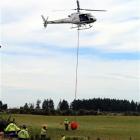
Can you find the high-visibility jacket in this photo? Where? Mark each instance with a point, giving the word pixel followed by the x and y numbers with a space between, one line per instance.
pixel 43 131
pixel 66 122
pixel 63 138
pixel 11 127
pixel 23 134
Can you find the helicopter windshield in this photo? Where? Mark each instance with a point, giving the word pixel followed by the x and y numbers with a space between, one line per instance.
pixel 83 17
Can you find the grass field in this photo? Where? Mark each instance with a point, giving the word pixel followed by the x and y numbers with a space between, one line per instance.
pixel 104 127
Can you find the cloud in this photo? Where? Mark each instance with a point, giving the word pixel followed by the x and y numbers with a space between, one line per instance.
pixel 55 77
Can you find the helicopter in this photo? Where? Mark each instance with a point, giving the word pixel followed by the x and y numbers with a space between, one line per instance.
pixel 81 20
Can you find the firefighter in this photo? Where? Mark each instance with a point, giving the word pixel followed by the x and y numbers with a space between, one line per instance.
pixel 43 132
pixel 2 126
pixel 23 133
pixel 66 124
pixel 12 130
pixel 63 137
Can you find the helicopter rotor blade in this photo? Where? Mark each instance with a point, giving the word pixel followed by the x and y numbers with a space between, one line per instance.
pixel 93 10
pixel 62 10
pixel 78 5
pixel 90 10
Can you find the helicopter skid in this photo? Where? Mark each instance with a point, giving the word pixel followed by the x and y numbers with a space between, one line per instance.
pixel 81 27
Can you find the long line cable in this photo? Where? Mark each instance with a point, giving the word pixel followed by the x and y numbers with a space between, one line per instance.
pixel 76 71
pixel 77 63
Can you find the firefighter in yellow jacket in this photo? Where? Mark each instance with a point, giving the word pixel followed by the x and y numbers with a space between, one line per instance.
pixel 12 130
pixel 43 132
pixel 63 137
pixel 66 124
pixel 23 133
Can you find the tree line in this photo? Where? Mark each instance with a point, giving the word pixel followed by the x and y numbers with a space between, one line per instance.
pixel 93 106
pixel 3 106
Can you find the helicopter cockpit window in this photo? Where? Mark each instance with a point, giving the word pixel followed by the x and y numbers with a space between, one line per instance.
pixel 83 17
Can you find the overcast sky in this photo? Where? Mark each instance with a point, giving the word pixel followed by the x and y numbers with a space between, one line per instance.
pixel 38 63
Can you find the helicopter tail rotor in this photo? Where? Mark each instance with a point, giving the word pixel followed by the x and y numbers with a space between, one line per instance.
pixel 45 21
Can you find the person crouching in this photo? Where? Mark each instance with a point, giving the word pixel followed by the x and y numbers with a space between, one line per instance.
pixel 23 133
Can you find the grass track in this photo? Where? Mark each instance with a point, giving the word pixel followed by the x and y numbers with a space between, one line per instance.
pixel 105 127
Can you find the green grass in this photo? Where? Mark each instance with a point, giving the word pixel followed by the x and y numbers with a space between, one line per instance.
pixel 104 127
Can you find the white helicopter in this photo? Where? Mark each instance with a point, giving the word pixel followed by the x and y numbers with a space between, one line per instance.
pixel 81 20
